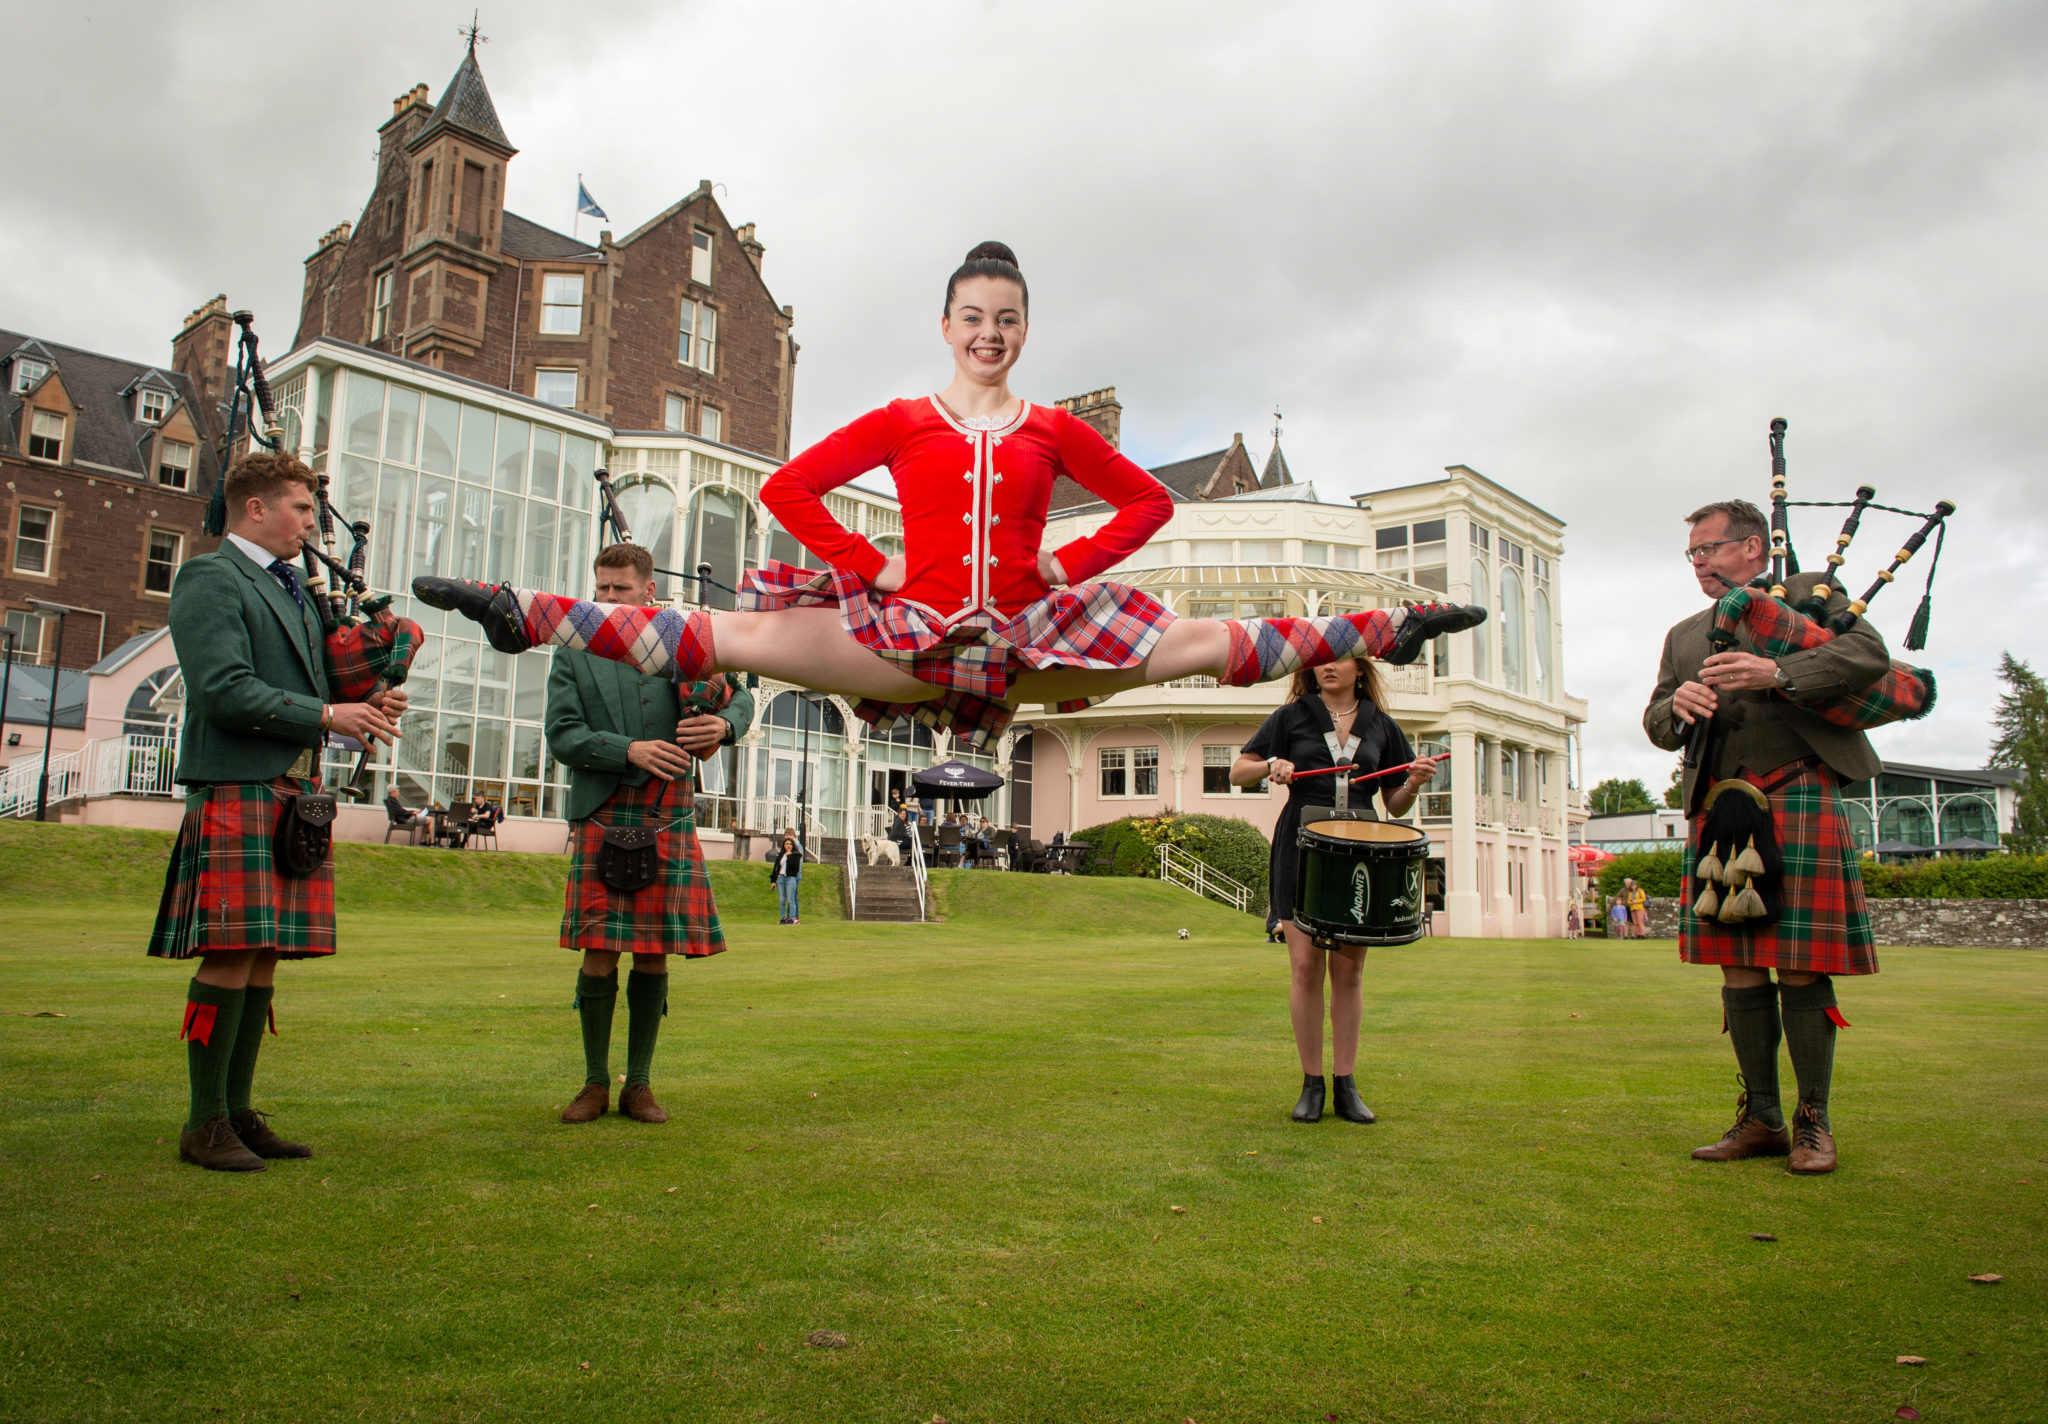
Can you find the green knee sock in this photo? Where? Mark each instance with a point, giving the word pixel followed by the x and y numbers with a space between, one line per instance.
pixel 1753 1033
pixel 1810 1040
pixel 248 1043
pixel 209 1044
pixel 596 997
pixel 646 1002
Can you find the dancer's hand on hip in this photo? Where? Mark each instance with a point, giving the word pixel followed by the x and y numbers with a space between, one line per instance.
pixel 1049 569
pixel 891 577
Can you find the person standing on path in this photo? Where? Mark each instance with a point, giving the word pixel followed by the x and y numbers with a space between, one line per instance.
pixel 628 740
pixel 788 874
pixel 252 653
pixel 1638 901
pixel 1796 761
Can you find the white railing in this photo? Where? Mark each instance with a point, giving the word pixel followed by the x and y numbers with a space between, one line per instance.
pixel 917 874
pixel 128 765
pixel 852 876
pixel 1191 872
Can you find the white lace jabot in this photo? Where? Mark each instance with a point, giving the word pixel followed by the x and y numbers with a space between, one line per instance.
pixel 985 422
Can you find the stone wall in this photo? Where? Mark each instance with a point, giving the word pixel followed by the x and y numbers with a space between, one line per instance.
pixel 1988 924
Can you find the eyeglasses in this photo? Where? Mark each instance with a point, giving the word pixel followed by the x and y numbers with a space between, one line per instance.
pixel 1699 553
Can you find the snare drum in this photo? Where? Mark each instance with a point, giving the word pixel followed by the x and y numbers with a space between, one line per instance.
pixel 1359 881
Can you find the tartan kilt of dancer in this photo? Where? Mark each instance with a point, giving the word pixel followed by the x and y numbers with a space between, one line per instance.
pixel 974 662
pixel 674 914
pixel 223 891
pixel 1824 926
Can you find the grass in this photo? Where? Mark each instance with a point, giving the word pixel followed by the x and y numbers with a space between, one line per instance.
pixel 961 1145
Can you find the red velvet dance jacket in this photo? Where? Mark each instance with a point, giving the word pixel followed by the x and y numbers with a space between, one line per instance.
pixel 974 502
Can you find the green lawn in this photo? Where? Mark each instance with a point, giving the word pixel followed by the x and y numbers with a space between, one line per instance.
pixel 961 1146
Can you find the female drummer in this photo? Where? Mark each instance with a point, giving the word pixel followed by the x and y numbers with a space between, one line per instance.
pixel 974 616
pixel 1332 715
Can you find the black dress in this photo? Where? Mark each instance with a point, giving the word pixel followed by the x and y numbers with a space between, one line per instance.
pixel 1295 733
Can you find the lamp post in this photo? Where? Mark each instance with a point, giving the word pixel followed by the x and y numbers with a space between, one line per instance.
pixel 6 672
pixel 59 610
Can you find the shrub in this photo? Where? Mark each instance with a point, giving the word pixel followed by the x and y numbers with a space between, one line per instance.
pixel 1656 871
pixel 1131 847
pixel 1993 877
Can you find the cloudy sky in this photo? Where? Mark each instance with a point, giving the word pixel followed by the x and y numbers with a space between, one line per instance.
pixel 1588 249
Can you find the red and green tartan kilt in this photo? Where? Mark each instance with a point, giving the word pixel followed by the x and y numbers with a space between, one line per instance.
pixel 222 890
pixel 673 915
pixel 1824 927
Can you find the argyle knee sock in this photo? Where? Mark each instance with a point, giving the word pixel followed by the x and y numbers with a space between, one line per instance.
pixel 646 1002
pixel 661 642
pixel 596 996
pixel 241 1078
pixel 1811 1019
pixel 1753 1033
pixel 1262 649
pixel 213 1020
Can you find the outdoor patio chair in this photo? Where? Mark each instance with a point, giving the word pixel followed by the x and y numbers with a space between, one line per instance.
pixel 403 821
pixel 485 829
pixel 949 846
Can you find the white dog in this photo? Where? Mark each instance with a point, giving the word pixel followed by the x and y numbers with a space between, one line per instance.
pixel 880 852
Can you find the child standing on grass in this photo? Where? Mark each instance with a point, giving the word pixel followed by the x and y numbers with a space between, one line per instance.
pixel 1617 919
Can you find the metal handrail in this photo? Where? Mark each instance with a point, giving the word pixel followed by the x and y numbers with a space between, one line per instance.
pixel 1190 872
pixel 917 873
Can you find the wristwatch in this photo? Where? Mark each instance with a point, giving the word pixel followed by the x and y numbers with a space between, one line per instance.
pixel 1784 682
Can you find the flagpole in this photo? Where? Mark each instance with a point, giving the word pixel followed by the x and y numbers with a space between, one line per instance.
pixel 576 218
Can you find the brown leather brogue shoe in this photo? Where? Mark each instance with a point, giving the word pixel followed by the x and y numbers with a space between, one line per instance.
pixel 214 1146
pixel 258 1138
pixel 591 1104
pixel 1747 1138
pixel 1813 1146
pixel 638 1103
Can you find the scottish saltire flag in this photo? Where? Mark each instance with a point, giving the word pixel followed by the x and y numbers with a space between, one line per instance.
pixel 586 206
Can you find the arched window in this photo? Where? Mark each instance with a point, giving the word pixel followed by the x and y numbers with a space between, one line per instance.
pixel 1908 821
pixel 1513 633
pixel 719 532
pixel 1968 816
pixel 649 509
pixel 1862 831
pixel 1540 664
pixel 784 548
pixel 146 716
pixel 888 545
pixel 1482 636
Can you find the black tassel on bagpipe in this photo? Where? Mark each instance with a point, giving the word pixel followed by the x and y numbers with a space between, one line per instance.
pixel 1740 872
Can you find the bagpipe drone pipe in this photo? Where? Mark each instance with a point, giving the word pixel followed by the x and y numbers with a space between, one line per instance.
pixel 367 648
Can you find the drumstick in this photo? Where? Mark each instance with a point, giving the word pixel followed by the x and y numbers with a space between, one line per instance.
pixel 1364 775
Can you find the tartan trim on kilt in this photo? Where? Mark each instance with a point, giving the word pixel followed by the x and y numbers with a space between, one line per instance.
pixel 974 662
pixel 222 890
pixel 673 915
pixel 1824 927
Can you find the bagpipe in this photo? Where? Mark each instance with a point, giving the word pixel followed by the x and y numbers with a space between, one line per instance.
pixel 367 649
pixel 1737 840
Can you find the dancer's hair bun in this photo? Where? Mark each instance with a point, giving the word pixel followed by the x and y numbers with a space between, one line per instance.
pixel 993 252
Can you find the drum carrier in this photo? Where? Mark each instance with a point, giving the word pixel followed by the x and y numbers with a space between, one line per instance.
pixel 1358 880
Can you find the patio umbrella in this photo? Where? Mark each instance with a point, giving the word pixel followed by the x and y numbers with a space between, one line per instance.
pixel 1965 843
pixel 956 781
pixel 1588 857
pixel 1900 848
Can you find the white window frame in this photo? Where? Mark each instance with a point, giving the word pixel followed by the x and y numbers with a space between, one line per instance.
pixel 1113 761
pixel 28 629
pixel 150 560
pixel 1345 556
pixel 380 305
pixel 36 417
pixel 1145 760
pixel 711 423
pixel 675 414
pixel 560 313
pixel 700 256
pixel 27 371
pixel 707 338
pixel 686 333
pixel 46 541
pixel 540 372
pixel 1261 551
pixel 1225 754
pixel 151 406
pixel 165 464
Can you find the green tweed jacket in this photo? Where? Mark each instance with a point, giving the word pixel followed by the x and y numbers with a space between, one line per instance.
pixel 1765 730
pixel 597 707
pixel 255 670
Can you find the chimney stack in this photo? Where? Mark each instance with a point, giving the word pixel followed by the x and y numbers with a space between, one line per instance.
pixel 1101 410
pixel 749 244
pixel 200 351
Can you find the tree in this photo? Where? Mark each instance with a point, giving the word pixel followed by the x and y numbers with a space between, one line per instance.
pixel 2021 722
pixel 1614 797
pixel 1674 794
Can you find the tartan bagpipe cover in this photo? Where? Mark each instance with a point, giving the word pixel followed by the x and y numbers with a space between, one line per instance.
pixel 361 655
pixel 1903 694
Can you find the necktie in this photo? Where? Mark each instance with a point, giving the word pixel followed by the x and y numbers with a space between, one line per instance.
pixel 289 577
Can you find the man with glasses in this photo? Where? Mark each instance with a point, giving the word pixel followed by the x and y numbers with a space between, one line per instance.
pixel 1765 735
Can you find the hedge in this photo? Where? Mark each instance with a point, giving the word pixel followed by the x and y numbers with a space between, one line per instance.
pixel 1131 847
pixel 1991 877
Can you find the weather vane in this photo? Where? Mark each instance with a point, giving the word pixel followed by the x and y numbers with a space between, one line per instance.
pixel 474 34
pixel 1276 425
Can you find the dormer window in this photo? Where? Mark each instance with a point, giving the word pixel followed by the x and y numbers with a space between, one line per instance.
pixel 152 406
pixel 27 373
pixel 174 464
pixel 46 435
pixel 700 257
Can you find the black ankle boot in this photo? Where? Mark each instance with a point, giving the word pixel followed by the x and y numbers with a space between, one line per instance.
pixel 1349 1105
pixel 1428 621
pixel 494 608
pixel 1310 1106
